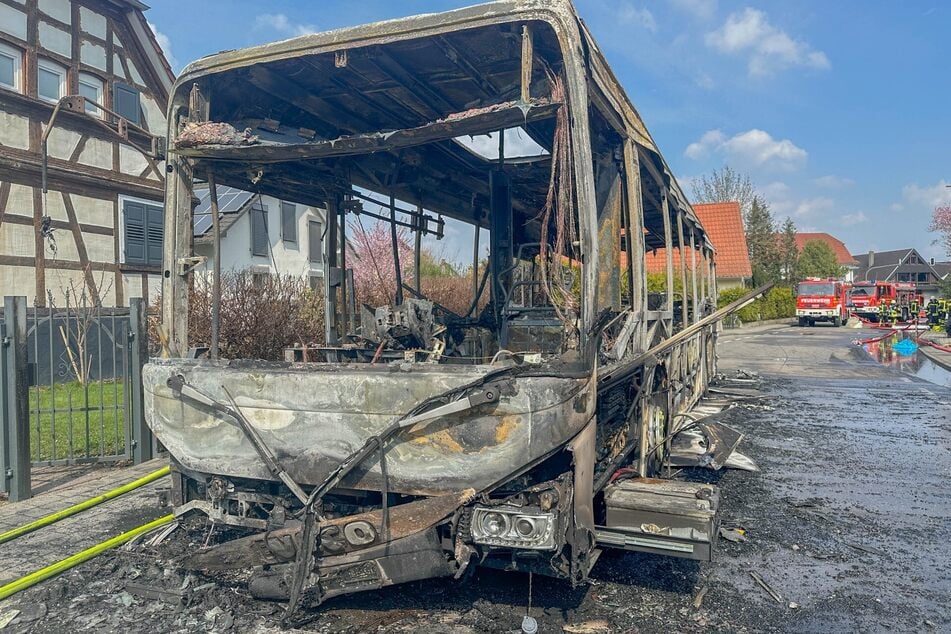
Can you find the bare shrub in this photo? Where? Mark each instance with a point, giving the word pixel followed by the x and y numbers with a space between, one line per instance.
pixel 260 316
pixel 83 306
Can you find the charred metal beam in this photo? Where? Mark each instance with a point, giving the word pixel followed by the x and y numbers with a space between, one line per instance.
pixel 681 250
pixel 480 121
pixel 287 90
pixel 423 90
pixel 612 376
pixel 528 52
pixel 462 61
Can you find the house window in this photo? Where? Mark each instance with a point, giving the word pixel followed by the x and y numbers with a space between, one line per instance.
pixel 90 87
pixel 315 241
pixel 125 102
pixel 289 222
pixel 50 80
pixel 923 277
pixel 11 61
pixel 144 230
pixel 904 277
pixel 259 239
pixel 259 279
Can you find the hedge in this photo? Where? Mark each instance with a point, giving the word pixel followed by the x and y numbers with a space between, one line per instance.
pixel 779 302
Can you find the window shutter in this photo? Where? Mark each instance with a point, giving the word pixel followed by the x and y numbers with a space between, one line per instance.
pixel 314 241
pixel 125 102
pixel 259 239
pixel 289 222
pixel 155 232
pixel 135 236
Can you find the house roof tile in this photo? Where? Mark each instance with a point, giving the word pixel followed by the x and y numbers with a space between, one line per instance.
pixel 842 255
pixel 723 223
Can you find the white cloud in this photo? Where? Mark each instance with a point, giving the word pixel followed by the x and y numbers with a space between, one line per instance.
pixel 769 48
pixel 776 189
pixel 760 148
pixel 930 197
pixel 753 148
pixel 711 139
pixel 848 220
pixel 281 23
pixel 166 45
pixel 629 14
pixel 701 9
pixel 812 206
pixel 833 182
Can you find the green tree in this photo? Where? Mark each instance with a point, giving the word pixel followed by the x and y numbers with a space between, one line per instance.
pixel 789 253
pixel 761 242
pixel 944 287
pixel 818 260
pixel 725 186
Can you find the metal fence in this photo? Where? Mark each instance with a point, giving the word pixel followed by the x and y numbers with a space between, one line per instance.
pixel 72 387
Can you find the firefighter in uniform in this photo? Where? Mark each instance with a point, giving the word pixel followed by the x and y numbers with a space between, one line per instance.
pixel 932 312
pixel 883 312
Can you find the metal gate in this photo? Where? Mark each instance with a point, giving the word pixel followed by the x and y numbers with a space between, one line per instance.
pixel 77 371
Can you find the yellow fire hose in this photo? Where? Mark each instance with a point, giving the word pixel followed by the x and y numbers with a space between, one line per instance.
pixel 65 564
pixel 82 506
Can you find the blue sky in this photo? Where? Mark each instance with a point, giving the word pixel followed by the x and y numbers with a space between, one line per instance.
pixel 839 111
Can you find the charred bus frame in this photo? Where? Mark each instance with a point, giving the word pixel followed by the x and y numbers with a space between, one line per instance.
pixel 496 436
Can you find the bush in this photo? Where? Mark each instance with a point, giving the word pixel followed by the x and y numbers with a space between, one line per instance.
pixel 259 316
pixel 779 302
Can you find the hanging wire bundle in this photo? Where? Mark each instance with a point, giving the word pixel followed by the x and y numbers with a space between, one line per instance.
pixel 558 221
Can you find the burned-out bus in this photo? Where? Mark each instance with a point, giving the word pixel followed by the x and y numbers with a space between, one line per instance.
pixel 418 441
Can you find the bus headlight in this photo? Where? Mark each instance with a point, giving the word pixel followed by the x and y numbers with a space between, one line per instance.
pixel 512 527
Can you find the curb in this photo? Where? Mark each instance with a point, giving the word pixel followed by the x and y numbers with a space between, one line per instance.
pixel 768 322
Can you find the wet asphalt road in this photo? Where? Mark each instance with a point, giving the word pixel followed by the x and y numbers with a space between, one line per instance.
pixel 856 461
pixel 849 523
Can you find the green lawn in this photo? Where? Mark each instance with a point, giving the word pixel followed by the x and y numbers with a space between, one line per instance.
pixel 89 420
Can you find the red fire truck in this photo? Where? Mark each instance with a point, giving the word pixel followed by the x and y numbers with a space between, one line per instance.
pixel 865 299
pixel 820 299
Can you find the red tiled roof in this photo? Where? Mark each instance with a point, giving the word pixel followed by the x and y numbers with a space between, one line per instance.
pixel 842 254
pixel 723 223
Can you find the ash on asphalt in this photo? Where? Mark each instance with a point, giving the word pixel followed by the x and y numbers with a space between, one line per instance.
pixel 848 524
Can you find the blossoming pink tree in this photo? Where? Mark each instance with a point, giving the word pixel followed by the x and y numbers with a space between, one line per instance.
pixel 941 223
pixel 374 274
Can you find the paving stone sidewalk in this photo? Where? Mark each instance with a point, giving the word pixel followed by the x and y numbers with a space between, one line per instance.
pixel 48 545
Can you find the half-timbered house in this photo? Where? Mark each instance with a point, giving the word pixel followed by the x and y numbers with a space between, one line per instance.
pixel 98 228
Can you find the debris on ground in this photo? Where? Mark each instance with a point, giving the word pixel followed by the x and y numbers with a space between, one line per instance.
pixel 765 586
pixel 588 627
pixel 734 534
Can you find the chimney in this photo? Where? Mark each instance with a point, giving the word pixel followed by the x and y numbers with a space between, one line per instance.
pixel 871 259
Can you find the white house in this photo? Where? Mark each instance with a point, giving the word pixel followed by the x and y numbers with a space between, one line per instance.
pixel 262 234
